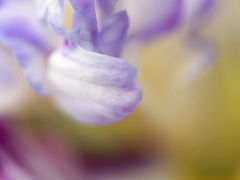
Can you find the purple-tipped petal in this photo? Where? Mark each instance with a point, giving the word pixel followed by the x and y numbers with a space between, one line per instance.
pixel 33 66
pixel 20 27
pixel 111 39
pixel 20 32
pixel 93 88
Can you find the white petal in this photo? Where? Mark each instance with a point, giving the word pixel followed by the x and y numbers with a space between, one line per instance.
pixel 93 88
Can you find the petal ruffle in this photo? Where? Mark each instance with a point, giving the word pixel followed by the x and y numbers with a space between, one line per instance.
pixel 93 88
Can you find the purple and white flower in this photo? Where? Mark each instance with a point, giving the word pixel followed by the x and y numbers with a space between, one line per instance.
pixel 79 67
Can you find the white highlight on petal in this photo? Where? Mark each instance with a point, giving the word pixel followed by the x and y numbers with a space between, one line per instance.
pixel 52 12
pixel 93 88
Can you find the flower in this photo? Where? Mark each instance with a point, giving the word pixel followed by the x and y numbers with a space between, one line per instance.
pixel 83 75
pixel 102 88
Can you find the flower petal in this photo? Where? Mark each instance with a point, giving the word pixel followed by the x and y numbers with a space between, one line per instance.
pixel 106 8
pixel 20 27
pixel 33 66
pixel 52 12
pixel 84 23
pixel 196 8
pixel 86 9
pixel 111 39
pixel 153 17
pixel 25 37
pixel 198 14
pixel 12 89
pixel 84 18
pixel 93 88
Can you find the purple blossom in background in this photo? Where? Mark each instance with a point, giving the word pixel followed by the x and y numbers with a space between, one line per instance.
pixel 44 154
pixel 79 67
pixel 34 156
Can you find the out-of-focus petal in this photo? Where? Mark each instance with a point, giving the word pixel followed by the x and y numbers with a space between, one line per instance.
pixel 111 39
pixel 27 47
pixel 12 89
pixel 33 65
pixel 12 166
pixel 25 155
pixel 20 32
pixel 205 54
pixel 153 17
pixel 192 9
pixel 52 12
pixel 18 27
pixel 93 88
pixel 106 8
pixel 197 14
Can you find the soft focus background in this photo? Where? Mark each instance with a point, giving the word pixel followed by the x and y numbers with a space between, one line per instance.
pixel 185 128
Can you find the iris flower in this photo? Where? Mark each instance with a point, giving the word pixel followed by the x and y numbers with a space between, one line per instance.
pixel 80 67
